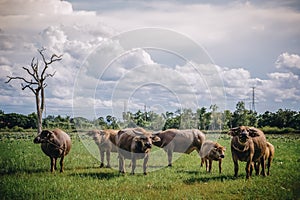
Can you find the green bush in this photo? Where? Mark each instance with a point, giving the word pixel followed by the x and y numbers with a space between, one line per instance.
pixel 276 130
pixel 17 129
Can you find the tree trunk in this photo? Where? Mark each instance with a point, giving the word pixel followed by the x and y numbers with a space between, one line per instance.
pixel 39 112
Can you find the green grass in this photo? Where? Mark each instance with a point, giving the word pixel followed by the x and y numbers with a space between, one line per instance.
pixel 24 174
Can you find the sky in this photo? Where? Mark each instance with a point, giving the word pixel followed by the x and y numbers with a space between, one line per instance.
pixel 154 55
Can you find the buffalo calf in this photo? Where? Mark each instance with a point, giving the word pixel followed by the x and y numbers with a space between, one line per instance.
pixel 211 151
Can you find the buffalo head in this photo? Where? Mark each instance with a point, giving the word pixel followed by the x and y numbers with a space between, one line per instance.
pixel 44 137
pixel 244 133
pixel 144 142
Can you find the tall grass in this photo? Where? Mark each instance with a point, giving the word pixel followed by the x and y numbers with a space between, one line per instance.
pixel 24 174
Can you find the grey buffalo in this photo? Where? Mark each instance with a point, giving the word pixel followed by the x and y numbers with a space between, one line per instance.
pixel 106 142
pixel 182 141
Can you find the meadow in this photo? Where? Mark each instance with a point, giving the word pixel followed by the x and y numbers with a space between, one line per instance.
pixel 25 174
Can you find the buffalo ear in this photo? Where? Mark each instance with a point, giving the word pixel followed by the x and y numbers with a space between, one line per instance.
pixel 155 138
pixel 253 132
pixel 46 133
pixel 234 131
pixel 137 138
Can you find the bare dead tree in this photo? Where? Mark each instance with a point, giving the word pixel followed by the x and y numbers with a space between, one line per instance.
pixel 37 82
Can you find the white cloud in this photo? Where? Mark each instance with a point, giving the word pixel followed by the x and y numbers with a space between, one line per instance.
pixel 277 88
pixel 39 7
pixel 286 60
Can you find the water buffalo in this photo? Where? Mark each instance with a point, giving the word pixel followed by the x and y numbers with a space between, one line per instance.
pixel 55 144
pixel 211 151
pixel 268 157
pixel 248 144
pixel 134 143
pixel 182 141
pixel 106 142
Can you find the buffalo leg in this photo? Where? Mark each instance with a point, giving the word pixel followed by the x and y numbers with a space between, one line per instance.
pixel 108 158
pixel 236 165
pixel 52 165
pixel 220 166
pixel 55 163
pixel 248 169
pixel 121 164
pixel 206 165
pixel 133 164
pixel 101 158
pixel 256 165
pixel 169 157
pixel 263 166
pixel 145 164
pixel 209 165
pixel 269 165
pixel 62 164
pixel 202 161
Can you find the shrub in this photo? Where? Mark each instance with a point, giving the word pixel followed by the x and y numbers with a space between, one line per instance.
pixel 276 130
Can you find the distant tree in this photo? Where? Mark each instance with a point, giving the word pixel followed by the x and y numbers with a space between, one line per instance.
pixel 216 118
pixel 240 115
pixel 188 119
pixel 37 82
pixel 227 119
pixel 252 118
pixel 172 120
pixel 265 119
pixel 31 121
pixel 102 123
pixel 156 121
pixel 201 117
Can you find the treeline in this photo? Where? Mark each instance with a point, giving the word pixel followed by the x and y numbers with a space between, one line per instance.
pixel 203 118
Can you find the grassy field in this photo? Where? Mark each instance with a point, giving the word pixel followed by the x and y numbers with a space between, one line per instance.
pixel 24 174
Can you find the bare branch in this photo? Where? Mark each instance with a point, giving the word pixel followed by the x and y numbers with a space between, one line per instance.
pixel 50 75
pixel 28 71
pixel 35 67
pixel 20 78
pixel 54 58
pixel 43 57
pixel 28 86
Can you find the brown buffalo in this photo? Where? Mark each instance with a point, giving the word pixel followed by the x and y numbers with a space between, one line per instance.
pixel 248 144
pixel 134 143
pixel 106 142
pixel 182 141
pixel 211 151
pixel 268 157
pixel 55 144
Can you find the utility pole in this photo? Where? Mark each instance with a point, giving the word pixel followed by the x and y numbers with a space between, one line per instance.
pixel 253 99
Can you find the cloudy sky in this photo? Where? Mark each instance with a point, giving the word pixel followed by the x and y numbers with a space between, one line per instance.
pixel 122 55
